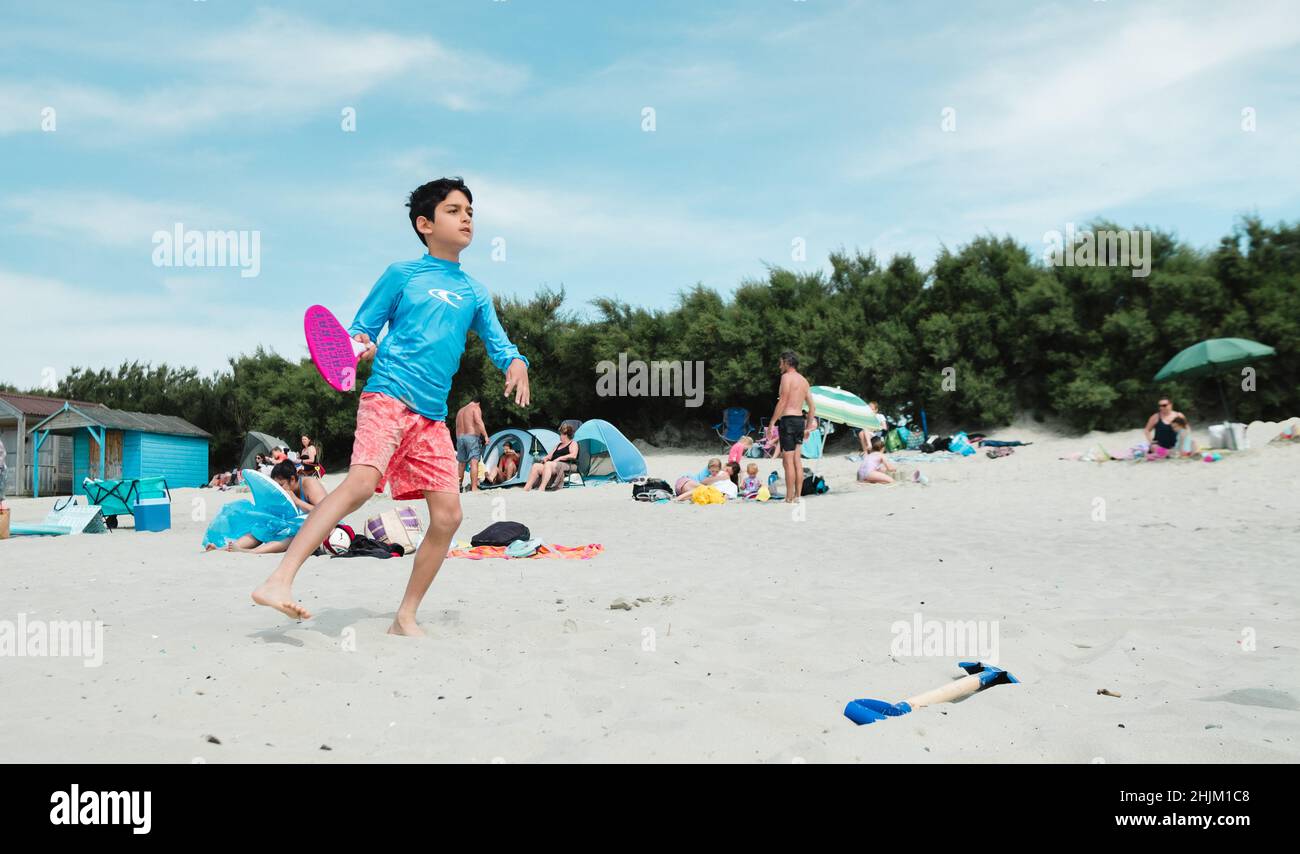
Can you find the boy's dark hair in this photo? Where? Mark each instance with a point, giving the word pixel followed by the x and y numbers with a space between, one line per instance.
pixel 1179 420
pixel 790 359
pixel 284 470
pixel 424 199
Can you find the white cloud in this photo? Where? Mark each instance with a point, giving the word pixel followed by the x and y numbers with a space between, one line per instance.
pixel 278 67
pixel 108 219
pixel 1097 112
pixel 97 328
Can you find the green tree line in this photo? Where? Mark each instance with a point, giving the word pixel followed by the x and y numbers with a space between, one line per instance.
pixel 988 331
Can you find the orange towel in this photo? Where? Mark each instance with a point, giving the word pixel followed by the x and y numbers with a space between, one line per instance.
pixel 586 552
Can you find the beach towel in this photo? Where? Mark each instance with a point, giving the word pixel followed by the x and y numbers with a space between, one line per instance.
pixel 708 494
pixel 936 457
pixel 586 552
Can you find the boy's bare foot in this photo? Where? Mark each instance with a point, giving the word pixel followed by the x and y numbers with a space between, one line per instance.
pixel 406 627
pixel 210 547
pixel 280 597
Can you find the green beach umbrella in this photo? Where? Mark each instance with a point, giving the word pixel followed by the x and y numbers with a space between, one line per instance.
pixel 836 404
pixel 1214 356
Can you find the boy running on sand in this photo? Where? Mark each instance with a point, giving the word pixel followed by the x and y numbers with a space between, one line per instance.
pixel 429 306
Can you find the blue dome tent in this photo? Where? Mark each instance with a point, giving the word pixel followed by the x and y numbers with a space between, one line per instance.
pixel 605 454
pixel 532 445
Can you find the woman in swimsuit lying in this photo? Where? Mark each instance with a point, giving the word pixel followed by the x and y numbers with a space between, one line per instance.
pixel 724 478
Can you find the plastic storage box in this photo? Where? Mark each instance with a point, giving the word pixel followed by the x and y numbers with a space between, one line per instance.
pixel 152 514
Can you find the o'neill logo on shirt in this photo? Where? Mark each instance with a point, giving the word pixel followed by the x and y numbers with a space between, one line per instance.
pixel 445 296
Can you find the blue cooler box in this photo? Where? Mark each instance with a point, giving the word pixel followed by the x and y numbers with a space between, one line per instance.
pixel 153 514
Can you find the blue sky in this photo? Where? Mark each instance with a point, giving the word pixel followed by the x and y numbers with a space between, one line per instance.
pixel 775 120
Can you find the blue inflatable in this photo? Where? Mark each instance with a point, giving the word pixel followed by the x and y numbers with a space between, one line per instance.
pixel 271 515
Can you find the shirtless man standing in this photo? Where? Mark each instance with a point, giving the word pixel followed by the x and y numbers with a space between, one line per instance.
pixel 471 436
pixel 792 425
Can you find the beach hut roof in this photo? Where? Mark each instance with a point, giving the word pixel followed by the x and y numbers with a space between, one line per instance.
pixel 71 418
pixel 39 405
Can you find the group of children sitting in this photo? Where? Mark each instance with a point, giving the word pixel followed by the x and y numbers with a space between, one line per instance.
pixel 874 468
pixel 725 479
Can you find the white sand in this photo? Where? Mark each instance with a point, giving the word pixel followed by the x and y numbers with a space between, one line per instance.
pixel 764 626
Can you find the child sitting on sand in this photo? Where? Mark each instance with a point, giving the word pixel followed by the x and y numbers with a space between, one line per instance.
pixel 740 449
pixel 875 467
pixel 751 485
pixel 1184 444
pixel 507 467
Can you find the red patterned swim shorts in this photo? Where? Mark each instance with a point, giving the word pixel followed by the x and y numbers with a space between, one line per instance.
pixel 414 454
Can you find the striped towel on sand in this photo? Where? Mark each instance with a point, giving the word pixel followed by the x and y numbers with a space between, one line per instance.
pixel 586 552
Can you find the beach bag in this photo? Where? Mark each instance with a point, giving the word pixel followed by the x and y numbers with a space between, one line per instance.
pixel 814 484
pixel 915 439
pixel 961 445
pixel 647 485
pixel 501 534
pixel 400 527
pixel 363 546
pixel 894 441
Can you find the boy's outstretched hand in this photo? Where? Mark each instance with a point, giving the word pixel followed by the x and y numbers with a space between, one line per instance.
pixel 517 381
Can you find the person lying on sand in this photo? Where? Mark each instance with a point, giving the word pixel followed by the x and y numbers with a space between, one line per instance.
pixel 305 492
pixel 724 478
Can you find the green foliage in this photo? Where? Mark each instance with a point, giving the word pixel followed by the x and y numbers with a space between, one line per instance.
pixel 1080 343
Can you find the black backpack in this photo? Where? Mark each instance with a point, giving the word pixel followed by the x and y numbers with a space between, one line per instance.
pixel 813 484
pixel 501 534
pixel 647 485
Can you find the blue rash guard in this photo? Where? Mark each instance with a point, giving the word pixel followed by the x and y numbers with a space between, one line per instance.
pixel 429 306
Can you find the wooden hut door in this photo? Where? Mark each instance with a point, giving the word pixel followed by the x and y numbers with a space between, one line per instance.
pixel 112 456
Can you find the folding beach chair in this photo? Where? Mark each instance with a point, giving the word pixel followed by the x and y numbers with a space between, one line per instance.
pixel 734 424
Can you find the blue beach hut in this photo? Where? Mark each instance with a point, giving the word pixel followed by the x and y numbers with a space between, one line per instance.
pixel 112 444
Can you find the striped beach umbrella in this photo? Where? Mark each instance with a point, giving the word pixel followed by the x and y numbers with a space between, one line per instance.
pixel 843 407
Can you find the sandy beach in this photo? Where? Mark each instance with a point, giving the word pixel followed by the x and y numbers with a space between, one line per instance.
pixel 750 626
